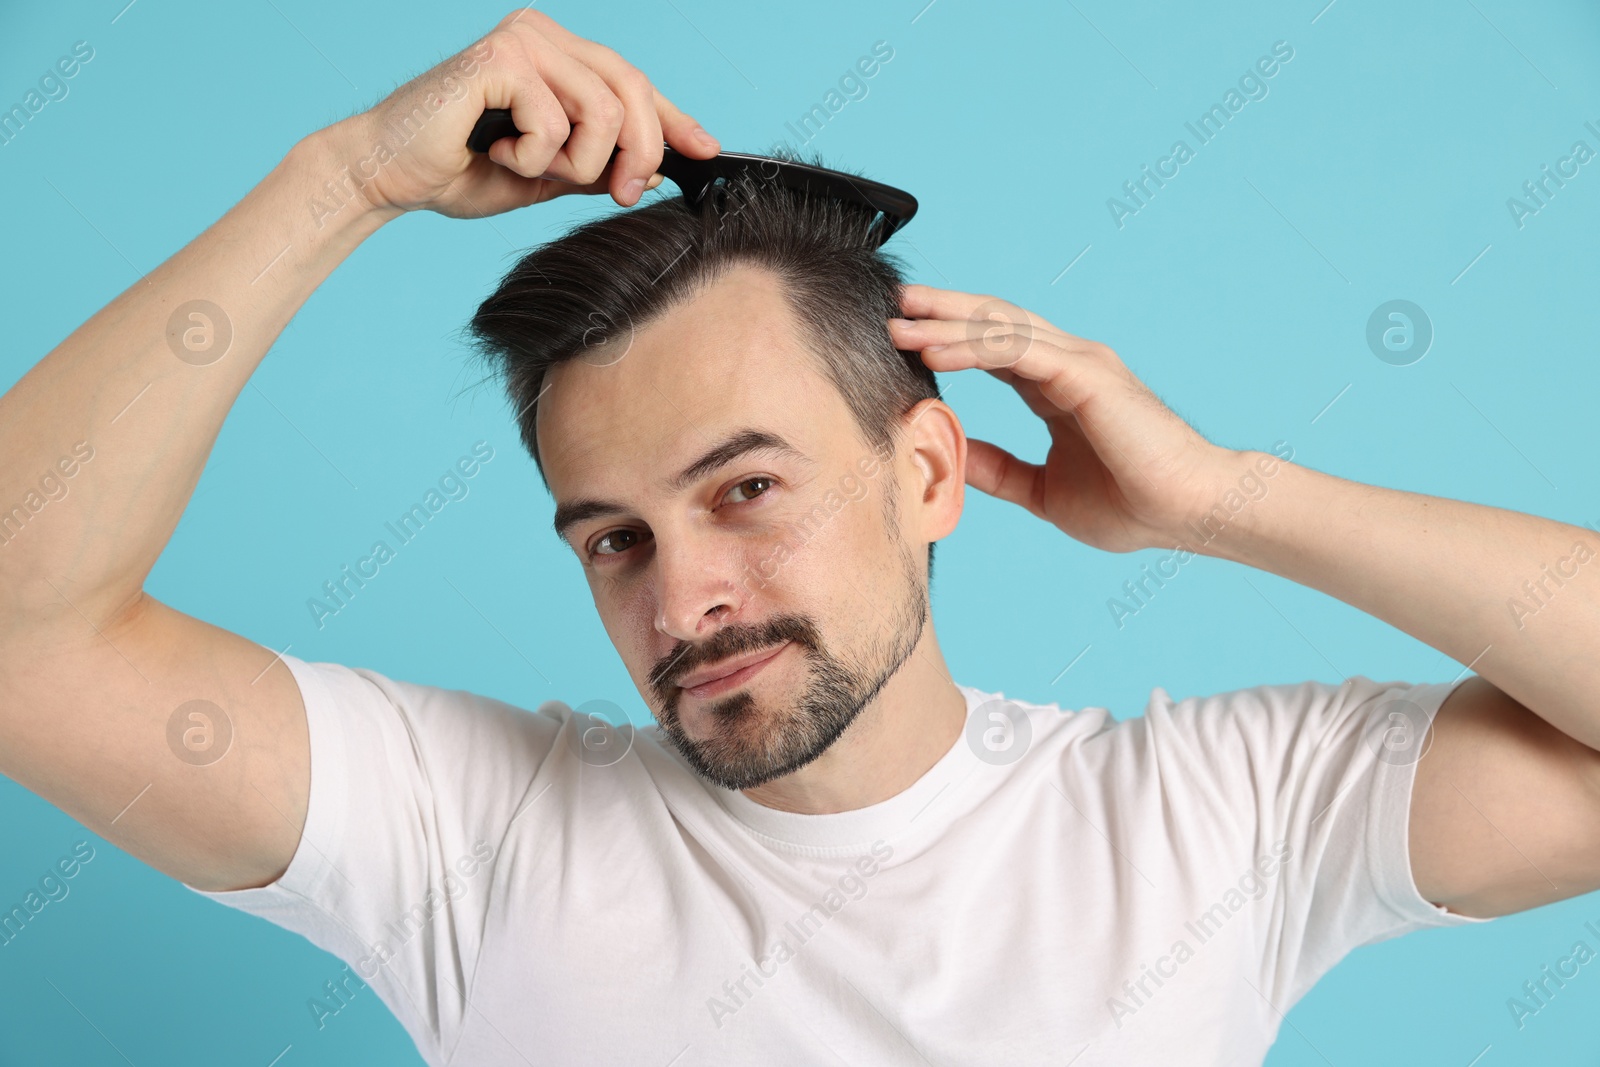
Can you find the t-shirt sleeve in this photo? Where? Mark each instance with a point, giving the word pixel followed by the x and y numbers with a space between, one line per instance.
pixel 1319 778
pixel 413 789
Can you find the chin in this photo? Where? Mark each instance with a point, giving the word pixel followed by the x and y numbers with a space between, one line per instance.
pixel 739 741
pixel 738 714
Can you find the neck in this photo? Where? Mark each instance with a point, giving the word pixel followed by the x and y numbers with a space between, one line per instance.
pixel 913 721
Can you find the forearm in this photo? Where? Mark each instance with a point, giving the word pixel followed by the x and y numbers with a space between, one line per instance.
pixel 142 389
pixel 1514 596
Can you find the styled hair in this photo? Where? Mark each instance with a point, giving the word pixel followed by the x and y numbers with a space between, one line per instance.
pixel 616 273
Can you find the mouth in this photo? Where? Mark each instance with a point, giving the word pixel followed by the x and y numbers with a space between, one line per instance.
pixel 728 674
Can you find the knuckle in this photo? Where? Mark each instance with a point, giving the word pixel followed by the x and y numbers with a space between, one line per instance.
pixel 587 172
pixel 553 126
pixel 607 57
pixel 502 41
pixel 608 111
pixel 645 160
pixel 527 16
pixel 637 81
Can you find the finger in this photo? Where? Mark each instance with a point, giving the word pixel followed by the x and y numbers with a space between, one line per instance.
pixel 591 111
pixel 640 137
pixel 1067 438
pixel 538 114
pixel 1003 340
pixel 1066 378
pixel 675 128
pixel 927 302
pixel 585 116
pixel 924 333
pixel 1031 394
pixel 601 186
pixel 993 470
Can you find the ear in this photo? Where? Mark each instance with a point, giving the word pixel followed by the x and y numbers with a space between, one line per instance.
pixel 939 458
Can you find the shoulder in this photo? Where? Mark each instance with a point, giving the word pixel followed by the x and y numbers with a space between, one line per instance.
pixel 358 715
pixel 1229 746
pixel 1309 714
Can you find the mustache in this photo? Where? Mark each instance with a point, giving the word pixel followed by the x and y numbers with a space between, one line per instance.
pixel 731 640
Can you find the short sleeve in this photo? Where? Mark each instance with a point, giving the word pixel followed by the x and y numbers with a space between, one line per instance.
pixel 1321 776
pixel 412 791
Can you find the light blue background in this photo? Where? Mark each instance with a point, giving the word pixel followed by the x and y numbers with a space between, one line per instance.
pixel 1378 167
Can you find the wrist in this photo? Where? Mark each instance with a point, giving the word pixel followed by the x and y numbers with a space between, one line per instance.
pixel 338 170
pixel 1241 489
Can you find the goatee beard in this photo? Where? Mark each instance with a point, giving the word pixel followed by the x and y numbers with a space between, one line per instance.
pixel 751 744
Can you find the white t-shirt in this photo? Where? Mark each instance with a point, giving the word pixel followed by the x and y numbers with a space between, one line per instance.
pixel 526 888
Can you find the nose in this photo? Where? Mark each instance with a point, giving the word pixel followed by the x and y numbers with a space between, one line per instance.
pixel 695 588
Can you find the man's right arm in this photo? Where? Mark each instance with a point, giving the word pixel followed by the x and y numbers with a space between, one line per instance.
pixel 114 704
pixel 91 667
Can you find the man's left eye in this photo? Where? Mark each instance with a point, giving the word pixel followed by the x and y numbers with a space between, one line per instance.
pixel 750 487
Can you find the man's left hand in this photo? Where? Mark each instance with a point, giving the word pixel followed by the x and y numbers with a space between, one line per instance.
pixel 1123 471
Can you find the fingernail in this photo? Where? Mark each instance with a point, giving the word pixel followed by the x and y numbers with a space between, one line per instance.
pixel 900 322
pixel 633 190
pixel 933 348
pixel 704 136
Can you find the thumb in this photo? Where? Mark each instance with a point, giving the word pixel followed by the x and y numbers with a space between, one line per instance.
pixel 993 470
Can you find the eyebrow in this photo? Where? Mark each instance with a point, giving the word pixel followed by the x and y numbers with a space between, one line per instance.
pixel 735 445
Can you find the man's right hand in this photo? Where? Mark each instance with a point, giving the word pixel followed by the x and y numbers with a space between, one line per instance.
pixel 574 99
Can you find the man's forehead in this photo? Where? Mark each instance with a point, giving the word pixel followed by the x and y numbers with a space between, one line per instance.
pixel 732 356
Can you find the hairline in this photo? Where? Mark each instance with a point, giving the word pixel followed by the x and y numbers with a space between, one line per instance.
pixel 815 344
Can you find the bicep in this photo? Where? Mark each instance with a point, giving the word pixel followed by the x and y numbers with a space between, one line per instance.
pixel 179 742
pixel 1505 810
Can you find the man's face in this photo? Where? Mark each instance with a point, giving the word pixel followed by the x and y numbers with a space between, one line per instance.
pixel 737 531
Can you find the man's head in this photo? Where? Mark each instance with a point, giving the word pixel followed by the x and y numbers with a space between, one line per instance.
pixel 746 467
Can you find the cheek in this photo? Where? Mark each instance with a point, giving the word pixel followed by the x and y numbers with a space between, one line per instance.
pixel 838 548
pixel 626 613
pixel 631 616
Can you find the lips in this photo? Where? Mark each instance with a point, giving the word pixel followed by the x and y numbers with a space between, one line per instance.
pixel 725 674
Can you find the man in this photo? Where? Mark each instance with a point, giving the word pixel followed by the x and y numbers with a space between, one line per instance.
pixel 829 851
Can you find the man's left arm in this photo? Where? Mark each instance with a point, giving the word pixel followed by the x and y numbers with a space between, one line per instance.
pixel 1505 810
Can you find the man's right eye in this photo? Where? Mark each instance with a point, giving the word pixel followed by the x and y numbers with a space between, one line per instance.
pixel 615 541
